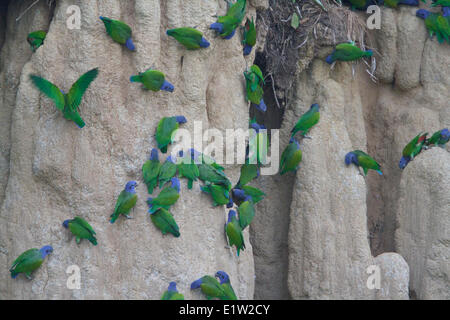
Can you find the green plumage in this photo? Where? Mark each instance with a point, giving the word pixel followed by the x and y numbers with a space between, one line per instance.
pixel 414 147
pixel 228 292
pixel 254 81
pixel 168 171
pixel 118 30
pixel 246 213
pixel 188 169
pixel 170 295
pixel 208 173
pixel 36 39
pixel 307 121
pixel 235 236
pixel 438 25
pixel 26 263
pixel 124 204
pixel 151 79
pixel 259 147
pixel 248 173
pixel 349 52
pixel 150 172
pixel 358 4
pixel 211 288
pixel 166 198
pixel 233 18
pixel 164 221
pixel 81 229
pixel 219 193
pixel 250 33
pixel 166 128
pixel 367 162
pixel 290 158
pixel 188 37
pixel 443 3
pixel 437 139
pixel 256 194
pixel 67 103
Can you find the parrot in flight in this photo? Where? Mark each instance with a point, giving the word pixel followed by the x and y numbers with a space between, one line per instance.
pixel 119 31
pixel 168 171
pixel 308 120
pixel 29 261
pixel 412 149
pixel 125 202
pixel 347 52
pixel 291 157
pixel 164 221
pixel 363 160
pixel 36 39
pixel 172 293
pixel 153 80
pixel 254 81
pixel 220 194
pixel 226 285
pixel 150 171
pixel 67 103
pixel 81 229
pixel 436 24
pixel 234 232
pixel 226 25
pixel 187 168
pixel 166 198
pixel 167 127
pixel 439 138
pixel 249 36
pixel 189 37
pixel 210 287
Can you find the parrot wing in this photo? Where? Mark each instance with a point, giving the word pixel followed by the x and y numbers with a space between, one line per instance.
pixel 50 90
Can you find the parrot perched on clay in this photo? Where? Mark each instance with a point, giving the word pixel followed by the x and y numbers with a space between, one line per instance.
pixel 172 293
pixel 168 171
pixel 210 287
pixel 153 80
pixel 164 221
pixel 308 120
pixel 208 173
pixel 226 285
pixel 249 172
pixel 254 80
pixel 167 127
pixel 189 37
pixel 187 168
pixel 150 171
pixel 412 149
pixel 226 25
pixel 291 157
pixel 363 160
pixel 234 232
pixel 125 202
pixel 166 198
pixel 246 212
pixel 203 158
pixel 36 39
pixel 249 36
pixel 439 138
pixel 396 3
pixel 220 194
pixel 436 24
pixel 67 103
pixel 81 229
pixel 239 195
pixel 29 261
pixel 119 31
pixel 347 52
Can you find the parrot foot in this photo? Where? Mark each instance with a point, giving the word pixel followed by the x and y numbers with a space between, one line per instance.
pixel 28 277
pixel 307 137
pixel 129 217
pixel 227 247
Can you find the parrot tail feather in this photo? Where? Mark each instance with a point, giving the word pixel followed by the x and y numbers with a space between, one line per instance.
pixel 217 27
pixel 135 79
pixel 190 184
pixel 130 45
pixel 78 121
pixel 93 241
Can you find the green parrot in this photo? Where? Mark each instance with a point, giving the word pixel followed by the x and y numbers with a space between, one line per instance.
pixel 187 169
pixel 167 127
pixel 443 3
pixel 308 120
pixel 189 37
pixel 239 195
pixel 363 160
pixel 249 36
pixel 67 103
pixel 81 229
pixel 246 212
pixel 166 198
pixel 153 80
pixel 119 31
pixel 205 159
pixel 291 157
pixel 439 138
pixel 219 194
pixel 226 285
pixel 164 221
pixel 150 171
pixel 347 52
pixel 436 23
pixel 125 202
pixel 167 172
pixel 254 80
pixel 210 287
pixel 172 293
pixel 358 4
pixel 412 149
pixel 248 173
pixel 234 232
pixel 258 144
pixel 226 25
pixel 395 3
pixel 36 39
pixel 29 261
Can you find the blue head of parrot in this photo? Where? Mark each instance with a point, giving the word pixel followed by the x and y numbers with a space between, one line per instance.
pixel 255 127
pixel 230 203
pixel 181 153
pixel 175 183
pixel 248 198
pixel 247 49
pixel 292 140
pixel 181 119
pixel 231 215
pixel 195 155
pixel 351 158
pixel 223 277
pixel 369 53
pixel 46 250
pixel 261 106
pixel 170 159
pixel 172 287
pixel 130 186
pixel 218 27
pixel 154 155
pixel 422 13
pixel 204 43
pixel 446 11
pixel 167 86
pixel 404 162
pixel 66 223
pixel 196 284
pixel 228 37
pixel 445 134
pixel 330 59
pixel 315 107
pixel 130 45
pixel 239 194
